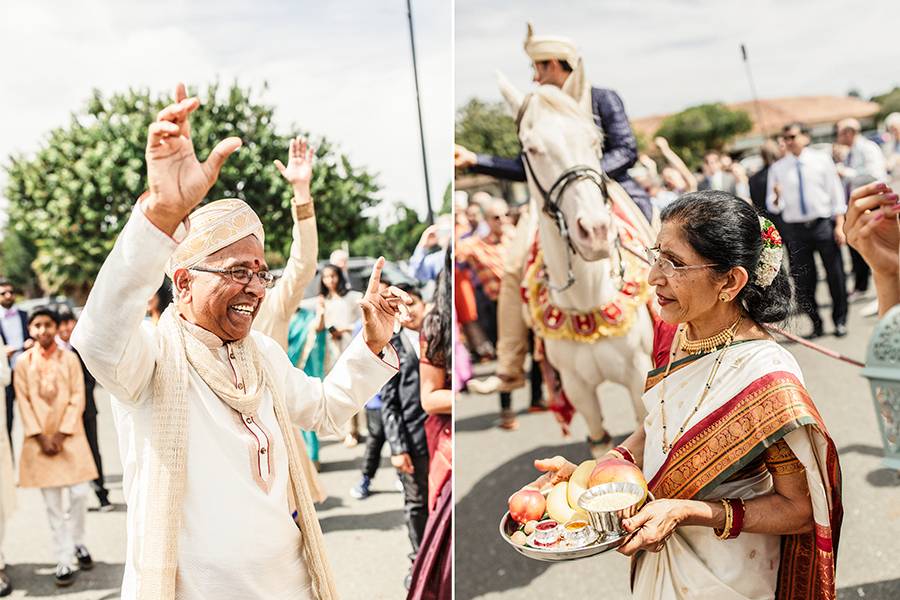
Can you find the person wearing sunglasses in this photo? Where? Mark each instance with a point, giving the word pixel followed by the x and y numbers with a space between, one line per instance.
pixel 805 190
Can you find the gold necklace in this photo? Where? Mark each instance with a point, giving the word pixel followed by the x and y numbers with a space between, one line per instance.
pixel 667 447
pixel 709 344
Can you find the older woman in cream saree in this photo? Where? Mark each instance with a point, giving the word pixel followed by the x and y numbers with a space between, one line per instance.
pixel 756 425
pixel 745 476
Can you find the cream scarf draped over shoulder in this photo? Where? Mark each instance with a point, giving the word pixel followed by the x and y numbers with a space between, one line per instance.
pixel 179 351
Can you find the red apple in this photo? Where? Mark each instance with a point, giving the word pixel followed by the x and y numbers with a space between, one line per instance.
pixel 616 470
pixel 527 505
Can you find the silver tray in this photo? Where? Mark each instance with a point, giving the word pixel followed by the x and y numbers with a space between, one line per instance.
pixel 603 544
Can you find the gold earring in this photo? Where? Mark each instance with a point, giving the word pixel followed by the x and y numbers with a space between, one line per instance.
pixel 724 297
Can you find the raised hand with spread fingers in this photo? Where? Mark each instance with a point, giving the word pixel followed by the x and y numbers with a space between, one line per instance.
pixel 176 179
pixel 299 169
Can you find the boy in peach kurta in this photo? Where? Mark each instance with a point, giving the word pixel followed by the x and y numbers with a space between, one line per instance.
pixel 55 456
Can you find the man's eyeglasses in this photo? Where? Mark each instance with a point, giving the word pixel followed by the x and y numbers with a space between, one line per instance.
pixel 666 266
pixel 241 275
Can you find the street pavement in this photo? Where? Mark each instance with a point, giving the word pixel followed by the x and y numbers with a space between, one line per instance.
pixel 366 541
pixel 491 463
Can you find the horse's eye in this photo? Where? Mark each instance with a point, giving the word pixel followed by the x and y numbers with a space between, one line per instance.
pixel 534 149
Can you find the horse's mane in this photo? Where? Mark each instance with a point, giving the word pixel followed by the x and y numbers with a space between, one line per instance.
pixel 551 99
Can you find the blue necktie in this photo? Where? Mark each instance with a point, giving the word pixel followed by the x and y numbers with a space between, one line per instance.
pixel 802 196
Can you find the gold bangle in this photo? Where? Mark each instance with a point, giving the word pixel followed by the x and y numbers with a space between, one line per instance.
pixel 729 516
pixel 304 211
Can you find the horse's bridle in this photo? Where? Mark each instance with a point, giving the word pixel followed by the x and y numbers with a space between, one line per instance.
pixel 553 200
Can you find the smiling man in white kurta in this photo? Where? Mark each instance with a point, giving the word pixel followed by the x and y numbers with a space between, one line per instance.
pixel 216 505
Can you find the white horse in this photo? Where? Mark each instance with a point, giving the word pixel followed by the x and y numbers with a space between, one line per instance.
pixel 580 251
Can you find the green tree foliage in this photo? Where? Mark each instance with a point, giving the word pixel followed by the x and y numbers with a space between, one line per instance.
pixel 16 255
pixel 71 199
pixel 701 128
pixel 889 101
pixel 487 128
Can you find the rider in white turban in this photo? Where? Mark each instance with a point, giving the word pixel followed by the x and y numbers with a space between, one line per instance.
pixel 541 48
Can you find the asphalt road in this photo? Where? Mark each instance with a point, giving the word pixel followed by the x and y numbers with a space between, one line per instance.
pixel 366 540
pixel 491 463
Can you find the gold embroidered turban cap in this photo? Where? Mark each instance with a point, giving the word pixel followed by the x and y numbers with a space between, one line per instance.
pixel 213 227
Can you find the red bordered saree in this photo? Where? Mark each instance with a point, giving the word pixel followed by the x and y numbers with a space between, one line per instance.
pixel 761 400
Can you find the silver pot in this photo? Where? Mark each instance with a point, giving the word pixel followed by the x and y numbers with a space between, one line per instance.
pixel 609 523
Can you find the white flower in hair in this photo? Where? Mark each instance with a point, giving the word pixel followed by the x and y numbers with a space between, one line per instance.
pixel 770 259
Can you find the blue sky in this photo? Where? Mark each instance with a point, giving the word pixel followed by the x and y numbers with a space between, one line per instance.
pixel 662 56
pixel 342 70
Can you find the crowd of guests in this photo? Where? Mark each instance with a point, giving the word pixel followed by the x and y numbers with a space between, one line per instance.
pixel 402 414
pixel 54 392
pixel 44 377
pixel 805 193
pixel 51 391
pixel 802 190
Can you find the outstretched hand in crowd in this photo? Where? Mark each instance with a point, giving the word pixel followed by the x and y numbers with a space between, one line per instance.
pixel 872 229
pixel 871 226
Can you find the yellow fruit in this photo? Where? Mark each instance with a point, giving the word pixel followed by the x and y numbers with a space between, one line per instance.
pixel 518 538
pixel 558 504
pixel 529 527
pixel 578 481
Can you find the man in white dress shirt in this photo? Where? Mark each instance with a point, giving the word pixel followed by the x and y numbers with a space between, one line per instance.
pixel 863 164
pixel 864 158
pixel 804 188
pixel 207 408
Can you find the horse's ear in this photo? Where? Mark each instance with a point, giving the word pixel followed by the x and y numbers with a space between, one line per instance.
pixel 512 96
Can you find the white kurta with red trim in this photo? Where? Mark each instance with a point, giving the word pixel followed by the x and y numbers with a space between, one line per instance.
pixel 238 538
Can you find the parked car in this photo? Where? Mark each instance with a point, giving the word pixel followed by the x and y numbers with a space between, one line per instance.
pixel 360 269
pixel 57 303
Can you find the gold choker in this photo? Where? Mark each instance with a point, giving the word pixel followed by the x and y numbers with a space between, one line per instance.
pixel 709 344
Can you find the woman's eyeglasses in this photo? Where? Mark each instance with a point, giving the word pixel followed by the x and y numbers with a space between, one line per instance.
pixel 666 266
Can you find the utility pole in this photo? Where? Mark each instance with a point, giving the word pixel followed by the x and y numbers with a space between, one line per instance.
pixel 412 42
pixel 759 114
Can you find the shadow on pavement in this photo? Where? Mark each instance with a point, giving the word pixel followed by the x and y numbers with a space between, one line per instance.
pixel 329 503
pixel 380 521
pixel 484 563
pixel 861 449
pixel 353 465
pixel 477 423
pixel 116 507
pixel 878 590
pixel 884 478
pixel 36 579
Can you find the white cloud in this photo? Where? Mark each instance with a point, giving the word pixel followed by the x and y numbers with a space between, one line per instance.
pixel 342 71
